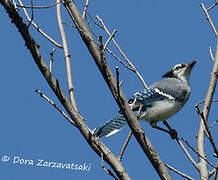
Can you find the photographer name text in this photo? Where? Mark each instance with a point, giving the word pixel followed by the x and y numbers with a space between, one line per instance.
pixel 45 163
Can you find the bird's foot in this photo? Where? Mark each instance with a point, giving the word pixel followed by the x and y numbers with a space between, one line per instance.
pixel 173 134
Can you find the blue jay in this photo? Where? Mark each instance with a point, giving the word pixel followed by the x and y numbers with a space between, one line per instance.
pixel 159 102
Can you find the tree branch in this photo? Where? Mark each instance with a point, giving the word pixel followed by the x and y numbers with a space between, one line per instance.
pixel 209 19
pixel 125 145
pixel 188 155
pixel 85 9
pixel 55 106
pixel 206 108
pixel 111 81
pixel 207 129
pixel 37 27
pixel 94 143
pixel 123 54
pixel 178 172
pixel 66 56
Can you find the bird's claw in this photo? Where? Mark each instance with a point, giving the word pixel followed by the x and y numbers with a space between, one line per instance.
pixel 173 134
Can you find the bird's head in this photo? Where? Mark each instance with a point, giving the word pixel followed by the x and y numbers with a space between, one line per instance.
pixel 181 71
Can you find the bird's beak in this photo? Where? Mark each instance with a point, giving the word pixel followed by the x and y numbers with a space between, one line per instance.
pixel 191 65
pixel 188 66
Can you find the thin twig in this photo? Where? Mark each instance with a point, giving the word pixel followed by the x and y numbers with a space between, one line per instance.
pixel 38 29
pixel 97 37
pixel 128 137
pixel 109 39
pixel 201 114
pixel 216 171
pixel 67 57
pixel 211 7
pixel 201 102
pixel 120 61
pixel 179 172
pixel 108 171
pixel 213 124
pixel 187 154
pixel 118 81
pixel 93 20
pixel 85 9
pixel 51 60
pixel 211 53
pixel 55 106
pixel 122 53
pixel 15 5
pixel 90 27
pixel 37 7
pixel 125 145
pixel 195 151
pixel 209 19
pixel 31 14
pixel 68 24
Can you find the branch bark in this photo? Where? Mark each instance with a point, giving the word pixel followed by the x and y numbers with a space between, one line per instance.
pixel 141 137
pixel 206 108
pixel 66 57
pixel 94 143
pixel 37 27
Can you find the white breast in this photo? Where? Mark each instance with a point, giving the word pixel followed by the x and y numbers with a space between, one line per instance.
pixel 160 111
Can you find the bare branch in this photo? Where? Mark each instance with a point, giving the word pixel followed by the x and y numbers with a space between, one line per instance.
pixel 68 24
pixel 15 5
pixel 109 39
pixel 213 123
pixel 207 104
pixel 125 145
pixel 193 149
pixel 118 81
pixel 178 172
pixel 120 61
pixel 122 53
pixel 141 137
pixel 211 7
pixel 38 7
pixel 188 155
pixel 37 27
pixel 211 54
pixel 55 106
pixel 30 22
pixel 216 171
pixel 128 137
pixel 207 129
pixel 209 19
pixel 108 171
pixel 94 143
pixel 93 20
pixel 67 57
pixel 85 9
pixel 90 27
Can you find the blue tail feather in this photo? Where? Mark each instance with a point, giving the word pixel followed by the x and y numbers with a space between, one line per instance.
pixel 111 127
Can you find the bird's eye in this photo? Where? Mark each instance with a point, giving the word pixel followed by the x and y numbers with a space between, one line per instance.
pixel 179 66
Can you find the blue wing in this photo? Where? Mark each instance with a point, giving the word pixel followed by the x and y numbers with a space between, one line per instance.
pixel 141 99
pixel 146 98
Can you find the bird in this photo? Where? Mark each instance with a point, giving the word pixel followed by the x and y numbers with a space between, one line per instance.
pixel 159 102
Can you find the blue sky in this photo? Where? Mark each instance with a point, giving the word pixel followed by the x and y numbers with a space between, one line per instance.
pixel 155 35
